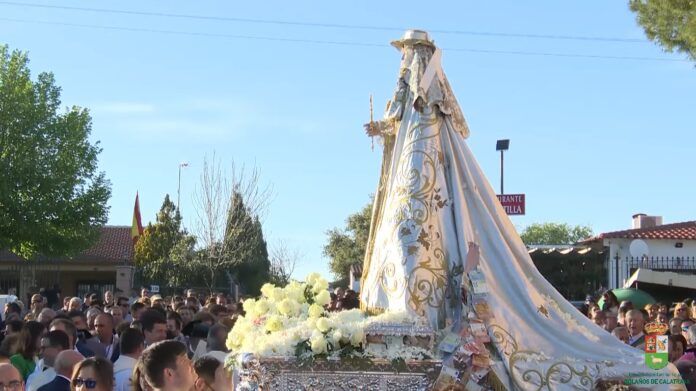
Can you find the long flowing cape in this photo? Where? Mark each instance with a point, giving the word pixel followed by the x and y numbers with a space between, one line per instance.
pixel 431 201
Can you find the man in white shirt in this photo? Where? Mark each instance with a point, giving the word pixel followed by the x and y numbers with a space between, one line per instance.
pixel 53 343
pixel 132 344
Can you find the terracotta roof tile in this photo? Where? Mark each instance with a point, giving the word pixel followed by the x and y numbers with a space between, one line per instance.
pixel 114 245
pixel 676 231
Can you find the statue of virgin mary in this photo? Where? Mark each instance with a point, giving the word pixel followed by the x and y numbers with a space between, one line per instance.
pixel 414 261
pixel 436 219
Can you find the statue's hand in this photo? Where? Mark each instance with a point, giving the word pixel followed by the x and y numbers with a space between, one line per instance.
pixel 372 129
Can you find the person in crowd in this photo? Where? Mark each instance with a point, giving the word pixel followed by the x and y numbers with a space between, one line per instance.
pixel 165 366
pixel 74 341
pixel 205 318
pixel 599 318
pixel 675 326
pixel 193 303
pixel 10 378
pixel 132 344
pixel 108 299
pixel 53 343
pixel 144 293
pixel 677 347
pixel 12 311
pixel 66 305
pixel 108 341
pixel 13 327
pixel 157 301
pixel 137 309
pixel 662 318
pixel 91 315
pixel 116 313
pixel 11 345
pixel 681 311
pixel 211 375
pixel 685 325
pixel 37 304
pixel 687 370
pixel 610 321
pixel 221 299
pixel 94 374
pixel 218 311
pixel 25 360
pixel 217 335
pixel 177 301
pixel 610 302
pixel 154 327
pixel 85 337
pixel 123 303
pixel 186 314
pixel 75 304
pixel 621 333
pixel 635 320
pixel 690 352
pixel 651 309
pixel 174 327
pixel 64 364
pixel 46 316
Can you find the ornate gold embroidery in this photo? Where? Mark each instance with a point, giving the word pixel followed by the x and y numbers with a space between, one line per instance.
pixel 560 372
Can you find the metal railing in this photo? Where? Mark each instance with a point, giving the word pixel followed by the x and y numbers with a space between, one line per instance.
pixel 663 263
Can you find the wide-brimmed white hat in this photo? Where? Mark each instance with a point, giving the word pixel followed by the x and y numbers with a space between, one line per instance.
pixel 414 37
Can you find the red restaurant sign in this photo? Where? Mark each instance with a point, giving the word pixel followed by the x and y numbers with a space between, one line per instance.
pixel 512 203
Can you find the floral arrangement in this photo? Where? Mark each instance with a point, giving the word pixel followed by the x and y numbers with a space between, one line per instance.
pixel 292 322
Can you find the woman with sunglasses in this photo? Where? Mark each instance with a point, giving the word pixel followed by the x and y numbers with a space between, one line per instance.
pixel 93 374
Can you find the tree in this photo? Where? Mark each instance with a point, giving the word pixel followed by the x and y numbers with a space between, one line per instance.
pixel 52 196
pixel 165 251
pixel 554 233
pixel 671 23
pixel 283 261
pixel 347 246
pixel 228 227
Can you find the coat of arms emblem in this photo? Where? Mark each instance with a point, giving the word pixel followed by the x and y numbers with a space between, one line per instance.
pixel 656 346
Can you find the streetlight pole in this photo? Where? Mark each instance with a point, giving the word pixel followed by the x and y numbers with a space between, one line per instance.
pixel 178 191
pixel 502 146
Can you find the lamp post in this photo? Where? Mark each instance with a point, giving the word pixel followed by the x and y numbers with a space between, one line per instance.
pixel 502 146
pixel 178 191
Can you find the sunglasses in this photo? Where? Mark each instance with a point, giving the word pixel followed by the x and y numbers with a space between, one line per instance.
pixel 88 383
pixel 685 328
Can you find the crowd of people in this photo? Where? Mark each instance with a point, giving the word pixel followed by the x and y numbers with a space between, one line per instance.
pixel 627 323
pixel 119 343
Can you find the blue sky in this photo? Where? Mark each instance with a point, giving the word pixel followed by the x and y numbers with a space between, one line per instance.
pixel 593 141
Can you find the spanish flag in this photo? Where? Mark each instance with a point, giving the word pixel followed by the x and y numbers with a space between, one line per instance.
pixel 137 228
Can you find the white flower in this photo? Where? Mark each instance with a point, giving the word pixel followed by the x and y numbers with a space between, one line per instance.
pixel 312 278
pixel 248 305
pixel 261 307
pixel 323 298
pixel 273 324
pixel 267 289
pixel 320 285
pixel 286 307
pixel 319 345
pixel 277 294
pixel 323 325
pixel 315 311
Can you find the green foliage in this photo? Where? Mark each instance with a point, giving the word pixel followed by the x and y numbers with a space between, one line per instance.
pixel 671 23
pixel 242 254
pixel 347 246
pixel 554 233
pixel 52 197
pixel 164 251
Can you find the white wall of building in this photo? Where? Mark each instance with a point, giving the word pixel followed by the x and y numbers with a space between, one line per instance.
pixel 656 248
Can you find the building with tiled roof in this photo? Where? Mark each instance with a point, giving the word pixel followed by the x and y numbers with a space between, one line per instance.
pixel 648 245
pixel 107 265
